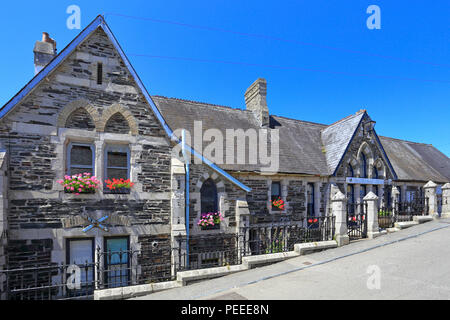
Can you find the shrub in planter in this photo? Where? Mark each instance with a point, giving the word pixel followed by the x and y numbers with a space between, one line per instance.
pixel 210 220
pixel 80 183
pixel 119 185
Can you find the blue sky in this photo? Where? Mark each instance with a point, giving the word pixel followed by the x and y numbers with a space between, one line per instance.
pixel 329 64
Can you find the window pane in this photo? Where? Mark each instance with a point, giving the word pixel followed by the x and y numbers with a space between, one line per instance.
pixel 117 262
pixel 81 171
pixel 276 189
pixel 117 159
pixel 81 155
pixel 80 253
pixel 117 174
pixel 208 194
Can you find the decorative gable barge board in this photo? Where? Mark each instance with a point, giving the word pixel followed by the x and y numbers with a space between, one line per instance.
pixel 99 21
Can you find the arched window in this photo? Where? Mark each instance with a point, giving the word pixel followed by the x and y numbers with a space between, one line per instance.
pixel 80 119
pixel 208 194
pixel 350 172
pixel 363 173
pixel 375 173
pixel 351 198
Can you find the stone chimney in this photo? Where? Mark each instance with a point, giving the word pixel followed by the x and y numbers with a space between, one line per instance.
pixel 44 51
pixel 255 100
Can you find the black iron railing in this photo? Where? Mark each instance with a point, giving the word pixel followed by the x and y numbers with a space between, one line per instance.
pixel 417 207
pixel 402 212
pixel 78 281
pixel 281 236
pixel 114 269
pixel 48 282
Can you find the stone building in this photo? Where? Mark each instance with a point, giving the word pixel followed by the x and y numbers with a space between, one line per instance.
pixel 86 110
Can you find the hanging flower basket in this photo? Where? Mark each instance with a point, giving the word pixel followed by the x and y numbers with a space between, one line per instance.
pixel 80 183
pixel 279 203
pixel 210 220
pixel 118 186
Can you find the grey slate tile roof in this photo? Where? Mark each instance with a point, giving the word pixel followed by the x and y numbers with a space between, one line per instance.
pixel 336 138
pixel 417 161
pixel 302 143
pixel 300 150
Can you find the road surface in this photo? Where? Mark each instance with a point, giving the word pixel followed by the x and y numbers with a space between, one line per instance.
pixel 409 264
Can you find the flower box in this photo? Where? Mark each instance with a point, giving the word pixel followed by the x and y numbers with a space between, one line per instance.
pixel 80 184
pixel 118 186
pixel 278 204
pixel 210 220
pixel 117 191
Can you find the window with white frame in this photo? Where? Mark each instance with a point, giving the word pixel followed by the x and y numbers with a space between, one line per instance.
pixel 80 158
pixel 117 162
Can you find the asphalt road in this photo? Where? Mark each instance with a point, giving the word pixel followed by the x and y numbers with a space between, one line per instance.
pixel 410 264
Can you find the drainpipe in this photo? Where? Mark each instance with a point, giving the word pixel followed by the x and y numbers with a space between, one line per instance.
pixel 186 167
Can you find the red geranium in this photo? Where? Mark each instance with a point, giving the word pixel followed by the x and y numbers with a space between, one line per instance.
pixel 278 203
pixel 118 183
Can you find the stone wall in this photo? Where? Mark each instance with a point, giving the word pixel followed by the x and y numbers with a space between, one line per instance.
pixel 228 194
pixel 22 254
pixel 155 257
pixel 293 192
pixel 296 198
pixel 69 106
pixel 364 143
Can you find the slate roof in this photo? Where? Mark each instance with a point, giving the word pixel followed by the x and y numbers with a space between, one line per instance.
pixel 417 161
pixel 337 137
pixel 299 150
pixel 303 144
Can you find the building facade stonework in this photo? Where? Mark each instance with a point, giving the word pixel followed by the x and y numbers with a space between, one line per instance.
pixel 90 102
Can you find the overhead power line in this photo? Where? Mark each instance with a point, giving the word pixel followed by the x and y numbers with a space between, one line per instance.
pixel 285 67
pixel 268 37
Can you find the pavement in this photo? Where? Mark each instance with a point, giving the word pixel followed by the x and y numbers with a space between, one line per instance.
pixel 413 263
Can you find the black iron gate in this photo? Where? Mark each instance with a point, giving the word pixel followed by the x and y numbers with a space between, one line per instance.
pixel 357 220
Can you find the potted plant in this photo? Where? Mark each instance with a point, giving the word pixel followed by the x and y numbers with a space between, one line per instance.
pixel 80 183
pixel 118 185
pixel 210 220
pixel 279 203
